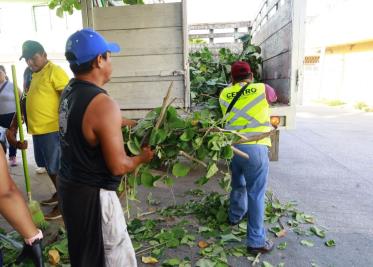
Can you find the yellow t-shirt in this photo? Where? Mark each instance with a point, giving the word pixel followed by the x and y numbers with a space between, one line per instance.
pixel 43 99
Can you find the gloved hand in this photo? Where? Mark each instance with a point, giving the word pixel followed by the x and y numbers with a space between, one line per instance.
pixel 33 252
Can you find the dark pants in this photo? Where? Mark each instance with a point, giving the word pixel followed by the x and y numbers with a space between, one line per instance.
pixel 5 120
pixel 81 211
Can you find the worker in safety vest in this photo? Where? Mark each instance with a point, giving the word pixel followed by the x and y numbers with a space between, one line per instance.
pixel 249 116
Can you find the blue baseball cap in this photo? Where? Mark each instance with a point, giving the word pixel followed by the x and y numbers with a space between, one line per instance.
pixel 87 44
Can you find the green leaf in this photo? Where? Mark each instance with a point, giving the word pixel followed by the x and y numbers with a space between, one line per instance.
pixel 133 2
pixel 317 231
pixel 307 243
pixel 134 147
pixel 211 170
pixel 178 232
pixel 292 223
pixel 147 179
pixel 157 136
pixel 131 180
pixel 61 246
pixel 227 152
pixel 204 229
pixel 172 243
pixel 153 243
pixel 176 124
pixel 171 262
pixel 187 135
pixel 202 180
pixel 222 215
pixel 136 245
pixel 52 4
pixel 157 252
pixel 120 188
pixel 188 240
pixel 59 12
pixel 225 181
pixel 205 263
pixel 330 243
pixel 230 238
pixel 202 153
pixel 282 246
pixel 168 181
pixel 180 170
pixel 197 142
pixel 77 5
pixel 266 264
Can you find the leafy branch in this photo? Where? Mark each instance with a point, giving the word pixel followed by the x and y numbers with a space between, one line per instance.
pixel 69 6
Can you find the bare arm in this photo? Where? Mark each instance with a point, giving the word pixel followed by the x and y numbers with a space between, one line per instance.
pixel 270 94
pixel 128 122
pixel 12 205
pixel 11 134
pixel 102 124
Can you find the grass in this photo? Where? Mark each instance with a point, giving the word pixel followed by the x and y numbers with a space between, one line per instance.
pixel 331 102
pixel 336 102
pixel 364 106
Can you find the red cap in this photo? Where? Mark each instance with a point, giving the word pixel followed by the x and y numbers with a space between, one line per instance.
pixel 240 69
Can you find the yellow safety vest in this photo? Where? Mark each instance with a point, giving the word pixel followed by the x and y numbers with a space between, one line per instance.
pixel 250 114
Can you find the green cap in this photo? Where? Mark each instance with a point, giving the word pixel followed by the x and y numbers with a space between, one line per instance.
pixel 30 48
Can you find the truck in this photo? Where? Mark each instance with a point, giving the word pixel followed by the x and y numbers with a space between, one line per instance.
pixel 154 41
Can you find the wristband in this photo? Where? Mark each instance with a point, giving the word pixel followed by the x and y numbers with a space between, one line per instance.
pixel 31 240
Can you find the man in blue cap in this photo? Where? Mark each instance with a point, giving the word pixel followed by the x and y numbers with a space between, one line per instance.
pixel 93 158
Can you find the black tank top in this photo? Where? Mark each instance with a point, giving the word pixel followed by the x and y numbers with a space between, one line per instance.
pixel 81 162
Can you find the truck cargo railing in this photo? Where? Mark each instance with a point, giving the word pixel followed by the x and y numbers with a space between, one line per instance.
pixel 218 35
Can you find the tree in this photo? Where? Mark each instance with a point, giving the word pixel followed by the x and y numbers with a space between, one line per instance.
pixel 69 6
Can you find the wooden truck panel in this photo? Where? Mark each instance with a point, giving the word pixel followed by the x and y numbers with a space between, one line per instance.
pixel 279 30
pixel 153 41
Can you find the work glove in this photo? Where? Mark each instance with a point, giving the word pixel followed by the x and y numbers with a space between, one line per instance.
pixel 33 252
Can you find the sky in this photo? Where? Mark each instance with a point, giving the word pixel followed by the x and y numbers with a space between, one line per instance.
pixel 210 11
pixel 338 22
pixel 201 11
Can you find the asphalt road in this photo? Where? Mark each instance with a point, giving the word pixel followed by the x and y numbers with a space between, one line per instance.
pixel 326 165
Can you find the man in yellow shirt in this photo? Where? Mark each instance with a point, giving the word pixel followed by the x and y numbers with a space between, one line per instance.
pixel 42 102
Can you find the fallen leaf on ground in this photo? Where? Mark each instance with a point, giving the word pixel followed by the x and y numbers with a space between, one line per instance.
pixel 149 260
pixel 266 264
pixel 152 209
pixel 315 230
pixel 53 257
pixel 281 233
pixel 330 243
pixel 307 243
pixel 203 244
pixel 282 245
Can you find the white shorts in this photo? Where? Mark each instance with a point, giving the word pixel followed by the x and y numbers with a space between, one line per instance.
pixel 119 251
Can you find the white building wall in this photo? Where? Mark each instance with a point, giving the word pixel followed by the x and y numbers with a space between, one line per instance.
pixel 22 21
pixel 344 77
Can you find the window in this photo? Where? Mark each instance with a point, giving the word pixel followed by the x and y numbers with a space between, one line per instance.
pixel 46 20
